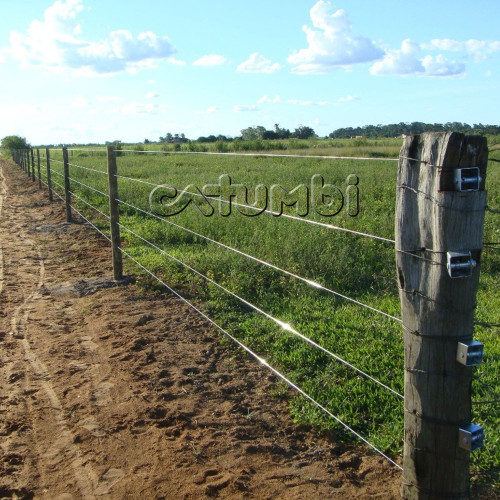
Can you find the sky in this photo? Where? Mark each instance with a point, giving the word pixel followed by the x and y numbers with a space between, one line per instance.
pixel 83 71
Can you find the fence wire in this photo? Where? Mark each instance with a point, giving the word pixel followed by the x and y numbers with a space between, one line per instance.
pixel 280 323
pixel 271 212
pixel 283 325
pixel 265 263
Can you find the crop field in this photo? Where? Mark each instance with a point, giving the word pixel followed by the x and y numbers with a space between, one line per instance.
pixel 359 267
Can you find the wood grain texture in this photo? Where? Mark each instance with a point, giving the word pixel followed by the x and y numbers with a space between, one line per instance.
pixel 32 165
pixel 437 311
pixel 38 168
pixel 114 215
pixel 67 186
pixel 49 175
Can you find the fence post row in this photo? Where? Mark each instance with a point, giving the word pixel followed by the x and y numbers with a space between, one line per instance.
pixel 32 165
pixel 67 187
pixel 49 178
pixel 440 210
pixel 38 168
pixel 22 158
pixel 114 214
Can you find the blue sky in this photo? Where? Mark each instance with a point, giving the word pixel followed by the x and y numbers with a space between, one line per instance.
pixel 91 71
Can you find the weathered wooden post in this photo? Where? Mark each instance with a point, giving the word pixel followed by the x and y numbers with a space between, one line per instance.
pixel 26 162
pixel 67 187
pixel 32 165
pixel 114 215
pixel 49 177
pixel 440 210
pixel 38 168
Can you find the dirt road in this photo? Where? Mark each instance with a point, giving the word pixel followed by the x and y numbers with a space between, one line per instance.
pixel 120 393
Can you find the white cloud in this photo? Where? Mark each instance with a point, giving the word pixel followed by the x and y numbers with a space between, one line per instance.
pixel 349 98
pixel 210 60
pixel 56 43
pixel 265 99
pixel 331 44
pixel 176 62
pixel 478 49
pixel 300 102
pixel 257 63
pixel 440 66
pixel 3 53
pixel 137 108
pixel 407 61
pixel 243 108
pixel 208 111
pixel 152 95
pixel 107 98
pixel 80 102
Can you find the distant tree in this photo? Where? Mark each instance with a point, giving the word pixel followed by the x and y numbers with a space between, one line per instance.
pixel 303 132
pixel 270 134
pixel 397 129
pixel 12 143
pixel 147 141
pixel 253 133
pixel 281 133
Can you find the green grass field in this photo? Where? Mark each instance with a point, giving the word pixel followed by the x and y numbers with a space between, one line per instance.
pixel 358 267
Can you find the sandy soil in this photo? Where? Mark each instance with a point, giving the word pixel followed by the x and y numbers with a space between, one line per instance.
pixel 118 393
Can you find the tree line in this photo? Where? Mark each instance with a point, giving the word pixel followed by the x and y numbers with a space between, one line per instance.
pixel 255 133
pixel 258 132
pixel 403 128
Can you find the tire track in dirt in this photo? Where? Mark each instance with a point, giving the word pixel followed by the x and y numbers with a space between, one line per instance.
pixel 3 194
pixel 124 393
pixel 85 477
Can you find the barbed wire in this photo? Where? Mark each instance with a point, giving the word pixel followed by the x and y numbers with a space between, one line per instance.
pixel 265 263
pixel 256 154
pixel 271 212
pixel 261 360
pixel 53 191
pixel 57 184
pixel 280 323
pixel 83 150
pixel 102 172
pixel 90 205
pixel 89 187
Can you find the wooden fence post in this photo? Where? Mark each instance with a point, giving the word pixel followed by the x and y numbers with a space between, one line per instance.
pixel 32 165
pixel 38 168
pixel 433 217
pixel 114 214
pixel 26 162
pixel 49 178
pixel 67 187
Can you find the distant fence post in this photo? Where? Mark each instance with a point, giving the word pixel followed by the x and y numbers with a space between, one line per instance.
pixel 114 214
pixel 38 168
pixel 32 165
pixel 440 209
pixel 26 162
pixel 67 187
pixel 49 178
